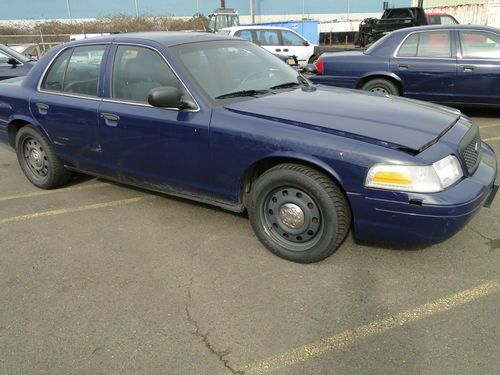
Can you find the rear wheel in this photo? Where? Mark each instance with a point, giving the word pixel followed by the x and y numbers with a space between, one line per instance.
pixel 381 86
pixel 298 213
pixel 38 160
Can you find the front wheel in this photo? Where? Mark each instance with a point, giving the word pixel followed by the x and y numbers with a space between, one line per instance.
pixel 38 160
pixel 381 86
pixel 298 213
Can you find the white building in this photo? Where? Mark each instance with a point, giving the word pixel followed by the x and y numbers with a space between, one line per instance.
pixel 477 12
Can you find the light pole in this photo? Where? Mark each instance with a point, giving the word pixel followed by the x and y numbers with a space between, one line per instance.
pixel 136 8
pixel 69 11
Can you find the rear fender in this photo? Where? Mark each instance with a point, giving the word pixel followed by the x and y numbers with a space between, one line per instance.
pixel 381 74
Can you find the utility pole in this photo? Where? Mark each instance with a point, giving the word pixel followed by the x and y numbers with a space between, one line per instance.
pixel 252 11
pixel 136 9
pixel 222 3
pixel 69 11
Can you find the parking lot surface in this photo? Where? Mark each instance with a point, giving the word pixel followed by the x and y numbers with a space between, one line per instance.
pixel 100 278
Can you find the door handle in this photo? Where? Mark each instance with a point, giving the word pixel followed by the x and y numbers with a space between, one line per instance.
pixel 467 68
pixel 43 108
pixel 110 119
pixel 278 49
pixel 403 66
pixel 285 50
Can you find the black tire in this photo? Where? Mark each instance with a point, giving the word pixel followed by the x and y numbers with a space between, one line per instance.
pixel 381 86
pixel 38 161
pixel 307 234
pixel 313 59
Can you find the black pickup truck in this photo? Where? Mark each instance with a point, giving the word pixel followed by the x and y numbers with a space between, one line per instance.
pixel 372 29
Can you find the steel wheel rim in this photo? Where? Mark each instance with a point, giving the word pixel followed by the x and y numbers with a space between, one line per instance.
pixel 292 218
pixel 380 90
pixel 35 158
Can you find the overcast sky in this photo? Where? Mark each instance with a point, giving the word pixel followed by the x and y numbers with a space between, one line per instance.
pixel 49 9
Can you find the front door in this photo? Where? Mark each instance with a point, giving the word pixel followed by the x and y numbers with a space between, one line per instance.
pixel 478 73
pixel 159 148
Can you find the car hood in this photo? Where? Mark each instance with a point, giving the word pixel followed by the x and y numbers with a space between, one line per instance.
pixel 404 123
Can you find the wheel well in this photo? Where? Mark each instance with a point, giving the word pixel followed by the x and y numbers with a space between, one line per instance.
pixel 258 168
pixel 362 81
pixel 13 128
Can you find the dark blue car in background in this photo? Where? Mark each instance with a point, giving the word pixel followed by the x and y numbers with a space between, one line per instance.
pixel 13 64
pixel 453 64
pixel 222 121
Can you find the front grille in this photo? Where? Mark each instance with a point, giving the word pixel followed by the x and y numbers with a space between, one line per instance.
pixel 470 149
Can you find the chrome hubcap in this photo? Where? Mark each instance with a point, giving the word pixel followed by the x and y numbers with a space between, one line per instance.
pixel 291 215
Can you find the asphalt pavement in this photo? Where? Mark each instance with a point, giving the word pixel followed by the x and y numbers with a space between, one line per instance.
pixel 100 278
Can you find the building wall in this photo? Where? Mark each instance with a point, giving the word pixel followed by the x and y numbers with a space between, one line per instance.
pixel 446 3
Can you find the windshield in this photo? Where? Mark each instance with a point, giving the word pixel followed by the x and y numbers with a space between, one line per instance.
pixel 18 56
pixel 228 68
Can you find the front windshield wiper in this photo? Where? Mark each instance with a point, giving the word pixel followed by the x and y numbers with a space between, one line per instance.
pixel 285 85
pixel 237 94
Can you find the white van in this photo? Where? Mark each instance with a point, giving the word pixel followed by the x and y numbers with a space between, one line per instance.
pixel 278 40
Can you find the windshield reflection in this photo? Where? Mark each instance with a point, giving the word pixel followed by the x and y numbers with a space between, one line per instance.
pixel 222 69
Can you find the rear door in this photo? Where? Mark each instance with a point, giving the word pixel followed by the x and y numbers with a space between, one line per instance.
pixel 478 74
pixel 426 64
pixel 67 101
pixel 270 40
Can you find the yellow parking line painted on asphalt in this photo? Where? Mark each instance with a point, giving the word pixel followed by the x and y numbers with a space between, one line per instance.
pixel 489 126
pixel 349 337
pixel 491 139
pixel 46 192
pixel 62 211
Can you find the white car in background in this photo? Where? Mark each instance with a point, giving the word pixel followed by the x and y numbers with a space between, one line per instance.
pixel 278 40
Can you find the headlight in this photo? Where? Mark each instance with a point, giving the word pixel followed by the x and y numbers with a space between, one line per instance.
pixel 415 178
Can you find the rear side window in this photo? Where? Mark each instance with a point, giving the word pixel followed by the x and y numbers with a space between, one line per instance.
pixel 268 37
pixel 54 78
pixel 76 71
pixel 427 44
pixel 245 34
pixel 138 70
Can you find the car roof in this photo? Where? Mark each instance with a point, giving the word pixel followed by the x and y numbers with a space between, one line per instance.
pixel 253 27
pixel 166 38
pixel 445 27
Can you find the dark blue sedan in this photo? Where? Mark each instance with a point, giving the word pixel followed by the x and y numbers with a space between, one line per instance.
pixel 454 64
pixel 13 64
pixel 222 121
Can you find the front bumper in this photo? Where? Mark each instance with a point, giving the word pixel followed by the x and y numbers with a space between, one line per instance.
pixel 408 218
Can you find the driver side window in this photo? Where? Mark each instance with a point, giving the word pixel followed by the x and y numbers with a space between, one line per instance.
pixel 138 70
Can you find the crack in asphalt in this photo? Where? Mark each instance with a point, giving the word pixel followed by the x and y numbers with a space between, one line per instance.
pixel 494 244
pixel 204 336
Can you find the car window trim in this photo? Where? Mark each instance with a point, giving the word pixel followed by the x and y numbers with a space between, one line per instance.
pixel 63 93
pixel 453 50
pixel 123 101
pixel 460 54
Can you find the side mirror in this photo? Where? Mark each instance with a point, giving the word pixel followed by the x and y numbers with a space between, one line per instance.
pixel 310 69
pixel 13 61
pixel 169 97
pixel 306 43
